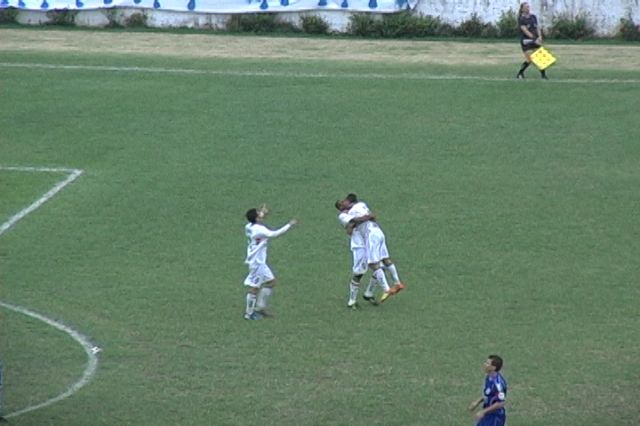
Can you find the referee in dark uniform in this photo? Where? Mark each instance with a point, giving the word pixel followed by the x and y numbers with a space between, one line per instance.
pixel 530 37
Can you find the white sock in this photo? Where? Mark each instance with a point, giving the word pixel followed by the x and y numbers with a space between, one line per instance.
pixel 354 287
pixel 394 272
pixel 263 297
pixel 251 303
pixel 382 280
pixel 370 287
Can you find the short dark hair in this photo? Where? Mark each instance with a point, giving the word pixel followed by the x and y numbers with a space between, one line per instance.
pixel 252 215
pixel 352 198
pixel 339 205
pixel 496 361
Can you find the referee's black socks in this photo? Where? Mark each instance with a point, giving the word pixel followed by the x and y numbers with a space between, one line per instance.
pixel 524 66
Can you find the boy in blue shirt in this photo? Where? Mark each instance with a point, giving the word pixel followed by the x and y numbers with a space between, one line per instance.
pixel 494 396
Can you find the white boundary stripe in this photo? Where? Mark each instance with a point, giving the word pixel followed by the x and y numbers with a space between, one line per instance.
pixel 73 175
pixel 363 76
pixel 89 371
pixel 91 350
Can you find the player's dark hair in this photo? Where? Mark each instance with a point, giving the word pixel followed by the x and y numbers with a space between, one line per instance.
pixel 339 205
pixel 521 10
pixel 352 198
pixel 252 215
pixel 496 361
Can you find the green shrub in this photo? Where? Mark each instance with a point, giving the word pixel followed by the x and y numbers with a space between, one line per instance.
pixel 508 24
pixel 63 17
pixel 424 25
pixel 402 24
pixel 399 25
pixel 112 18
pixel 476 27
pixel 574 28
pixel 314 24
pixel 489 31
pixel 444 29
pixel 136 20
pixel 364 25
pixel 259 23
pixel 629 30
pixel 8 15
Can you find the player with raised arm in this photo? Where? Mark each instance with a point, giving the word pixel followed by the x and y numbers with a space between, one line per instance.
pixel 260 281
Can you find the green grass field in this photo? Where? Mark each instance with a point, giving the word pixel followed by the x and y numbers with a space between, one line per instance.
pixel 511 210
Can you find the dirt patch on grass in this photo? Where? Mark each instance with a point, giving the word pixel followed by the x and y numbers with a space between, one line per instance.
pixel 227 46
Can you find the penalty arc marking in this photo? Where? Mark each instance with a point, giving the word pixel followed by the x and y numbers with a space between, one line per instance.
pixel 87 374
pixel 82 340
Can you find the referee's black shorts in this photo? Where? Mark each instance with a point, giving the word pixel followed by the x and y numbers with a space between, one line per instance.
pixel 528 44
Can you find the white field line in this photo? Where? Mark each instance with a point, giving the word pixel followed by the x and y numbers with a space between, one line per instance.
pixel 355 76
pixel 72 175
pixel 87 374
pixel 91 350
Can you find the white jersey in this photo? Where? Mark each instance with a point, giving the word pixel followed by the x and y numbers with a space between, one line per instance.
pixel 258 236
pixel 360 209
pixel 357 240
pixel 374 238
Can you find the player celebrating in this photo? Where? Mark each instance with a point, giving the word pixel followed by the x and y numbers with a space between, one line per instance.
pixel 493 401
pixel 260 281
pixel 363 222
pixel 358 252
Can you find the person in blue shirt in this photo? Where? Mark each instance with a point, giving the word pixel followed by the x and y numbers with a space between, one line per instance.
pixel 494 395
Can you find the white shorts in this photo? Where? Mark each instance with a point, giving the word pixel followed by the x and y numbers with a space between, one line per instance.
pixel 359 261
pixel 376 246
pixel 258 276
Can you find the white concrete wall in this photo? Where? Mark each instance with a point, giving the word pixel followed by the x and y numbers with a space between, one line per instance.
pixel 605 15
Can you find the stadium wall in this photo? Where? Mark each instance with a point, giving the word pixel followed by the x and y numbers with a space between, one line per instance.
pixel 605 15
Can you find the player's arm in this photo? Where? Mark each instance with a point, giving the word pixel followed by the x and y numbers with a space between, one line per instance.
pixel 475 404
pixel 490 409
pixel 264 232
pixel 526 32
pixel 350 227
pixel 263 211
pixel 365 218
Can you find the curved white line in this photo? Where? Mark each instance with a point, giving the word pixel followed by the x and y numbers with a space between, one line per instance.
pixel 90 349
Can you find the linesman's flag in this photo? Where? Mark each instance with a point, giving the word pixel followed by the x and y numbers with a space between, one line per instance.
pixel 542 58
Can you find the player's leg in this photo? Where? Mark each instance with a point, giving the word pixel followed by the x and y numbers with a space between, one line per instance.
pixel 354 288
pixel 526 51
pixel 266 290
pixel 358 269
pixel 252 283
pixel 391 267
pixel 375 242
pixel 369 292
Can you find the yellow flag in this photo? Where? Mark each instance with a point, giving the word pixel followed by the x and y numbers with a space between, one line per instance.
pixel 542 58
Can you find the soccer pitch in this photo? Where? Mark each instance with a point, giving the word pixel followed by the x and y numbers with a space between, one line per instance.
pixel 510 208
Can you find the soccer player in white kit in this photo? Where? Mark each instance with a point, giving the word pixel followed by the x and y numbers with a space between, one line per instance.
pixel 358 252
pixel 260 281
pixel 361 218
